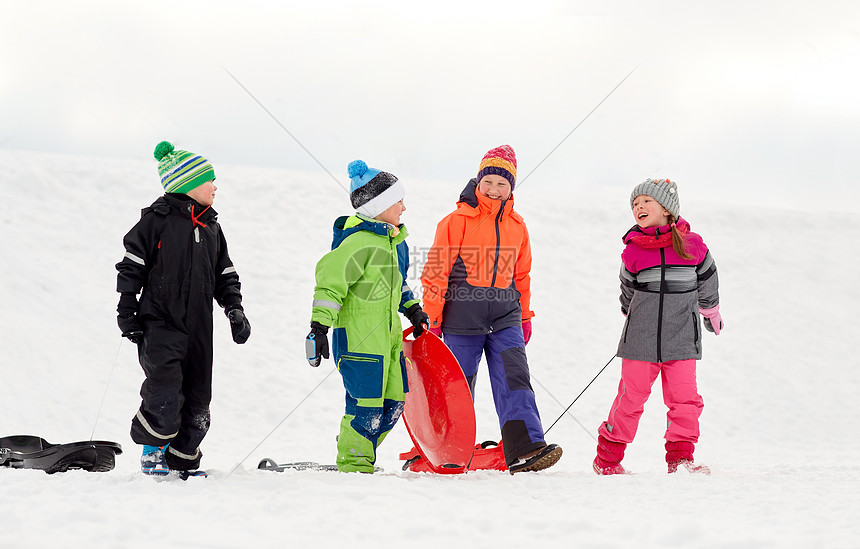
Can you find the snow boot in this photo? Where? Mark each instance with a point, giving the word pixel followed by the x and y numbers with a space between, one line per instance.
pixel 690 467
pixel 609 456
pixel 153 461
pixel 177 461
pixel 680 455
pixel 540 459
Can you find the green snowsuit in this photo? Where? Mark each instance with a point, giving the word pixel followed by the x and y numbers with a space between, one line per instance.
pixel 360 287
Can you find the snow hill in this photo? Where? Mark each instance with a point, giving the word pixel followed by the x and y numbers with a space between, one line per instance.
pixel 780 385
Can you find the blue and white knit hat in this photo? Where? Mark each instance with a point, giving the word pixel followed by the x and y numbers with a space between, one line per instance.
pixel 181 171
pixel 663 191
pixel 373 191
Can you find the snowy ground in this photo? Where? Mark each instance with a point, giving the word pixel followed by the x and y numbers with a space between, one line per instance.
pixel 779 429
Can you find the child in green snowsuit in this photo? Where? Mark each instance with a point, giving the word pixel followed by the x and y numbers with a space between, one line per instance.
pixel 360 288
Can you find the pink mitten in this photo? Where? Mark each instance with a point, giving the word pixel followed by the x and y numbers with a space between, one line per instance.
pixel 437 331
pixel 527 330
pixel 713 320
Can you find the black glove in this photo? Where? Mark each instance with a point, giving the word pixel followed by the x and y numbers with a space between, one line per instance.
pixel 126 318
pixel 239 325
pixel 130 326
pixel 418 318
pixel 316 344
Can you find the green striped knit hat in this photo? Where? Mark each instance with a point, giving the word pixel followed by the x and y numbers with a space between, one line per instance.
pixel 181 171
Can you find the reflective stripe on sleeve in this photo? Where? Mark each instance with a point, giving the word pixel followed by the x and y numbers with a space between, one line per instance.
pixel 326 304
pixel 134 258
pixel 228 270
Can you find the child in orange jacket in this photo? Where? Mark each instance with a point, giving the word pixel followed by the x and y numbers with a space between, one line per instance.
pixel 476 292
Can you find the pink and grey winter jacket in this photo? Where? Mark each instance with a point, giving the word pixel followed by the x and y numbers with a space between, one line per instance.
pixel 661 294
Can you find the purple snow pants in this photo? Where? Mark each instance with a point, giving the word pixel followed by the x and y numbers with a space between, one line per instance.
pixel 679 394
pixel 514 398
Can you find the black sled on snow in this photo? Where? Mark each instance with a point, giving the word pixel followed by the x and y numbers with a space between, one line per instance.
pixel 31 452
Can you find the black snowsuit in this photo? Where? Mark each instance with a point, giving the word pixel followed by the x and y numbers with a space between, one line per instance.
pixel 177 255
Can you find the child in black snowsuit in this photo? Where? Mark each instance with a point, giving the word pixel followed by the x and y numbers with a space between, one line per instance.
pixel 177 255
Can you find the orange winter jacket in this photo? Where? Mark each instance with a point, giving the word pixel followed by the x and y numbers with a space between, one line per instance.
pixel 476 278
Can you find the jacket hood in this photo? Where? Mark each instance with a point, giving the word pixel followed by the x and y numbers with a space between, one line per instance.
pixel 469 193
pixel 350 224
pixel 472 198
pixel 636 230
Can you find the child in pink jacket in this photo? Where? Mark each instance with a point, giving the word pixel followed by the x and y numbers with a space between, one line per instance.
pixel 668 282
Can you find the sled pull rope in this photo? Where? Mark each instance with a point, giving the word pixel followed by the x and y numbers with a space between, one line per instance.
pixel 110 377
pixel 296 407
pixel 626 472
pixel 580 394
pixel 278 122
pixel 520 182
pixel 557 401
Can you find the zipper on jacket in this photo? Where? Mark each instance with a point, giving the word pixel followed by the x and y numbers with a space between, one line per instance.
pixel 660 308
pixel 354 358
pixel 696 331
pixel 397 298
pixel 626 325
pixel 498 244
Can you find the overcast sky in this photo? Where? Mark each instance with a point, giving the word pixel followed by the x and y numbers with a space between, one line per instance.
pixel 758 97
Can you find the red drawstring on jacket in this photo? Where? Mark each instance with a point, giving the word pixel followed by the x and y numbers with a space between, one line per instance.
pixel 195 219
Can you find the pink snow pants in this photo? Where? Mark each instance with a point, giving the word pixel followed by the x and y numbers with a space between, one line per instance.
pixel 679 393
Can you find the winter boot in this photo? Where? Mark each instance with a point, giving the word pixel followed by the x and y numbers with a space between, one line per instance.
pixel 153 461
pixel 540 459
pixel 680 454
pixel 609 456
pixel 178 461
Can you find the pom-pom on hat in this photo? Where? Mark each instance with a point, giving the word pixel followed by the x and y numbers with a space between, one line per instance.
pixel 372 191
pixel 181 171
pixel 663 191
pixel 500 161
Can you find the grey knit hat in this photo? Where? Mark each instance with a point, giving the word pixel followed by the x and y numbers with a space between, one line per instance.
pixel 663 191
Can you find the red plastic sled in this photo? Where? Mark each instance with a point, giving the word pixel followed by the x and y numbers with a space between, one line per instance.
pixel 488 455
pixel 439 413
